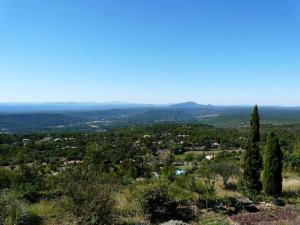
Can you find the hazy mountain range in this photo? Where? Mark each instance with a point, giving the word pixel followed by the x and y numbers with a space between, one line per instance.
pixel 25 117
pixel 66 106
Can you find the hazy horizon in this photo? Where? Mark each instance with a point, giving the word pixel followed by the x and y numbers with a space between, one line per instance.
pixel 141 103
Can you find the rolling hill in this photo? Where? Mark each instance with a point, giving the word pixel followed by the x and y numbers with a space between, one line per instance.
pixel 77 117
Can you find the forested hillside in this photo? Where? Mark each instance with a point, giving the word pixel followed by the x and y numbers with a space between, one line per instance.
pixel 97 120
pixel 144 174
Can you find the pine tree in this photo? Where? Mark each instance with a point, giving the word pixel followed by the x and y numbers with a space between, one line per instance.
pixel 272 178
pixel 253 160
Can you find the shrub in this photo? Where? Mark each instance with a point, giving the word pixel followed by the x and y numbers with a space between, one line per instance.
pixel 100 210
pixel 224 170
pixel 189 157
pixel 245 189
pixel 216 203
pixel 91 201
pixel 15 212
pixel 203 187
pixel 31 196
pixel 5 179
pixel 157 204
pixel 27 217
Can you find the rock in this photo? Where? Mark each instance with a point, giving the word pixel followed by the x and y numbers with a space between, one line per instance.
pixel 244 201
pixel 174 222
pixel 278 202
pixel 251 208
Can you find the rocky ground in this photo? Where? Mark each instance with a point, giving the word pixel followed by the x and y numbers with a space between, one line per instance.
pixel 268 215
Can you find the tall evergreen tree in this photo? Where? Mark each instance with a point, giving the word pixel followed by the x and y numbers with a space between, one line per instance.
pixel 272 178
pixel 253 160
pixel 254 134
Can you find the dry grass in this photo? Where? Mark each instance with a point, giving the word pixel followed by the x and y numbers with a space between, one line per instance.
pixel 211 218
pixel 291 189
pixel 126 203
pixel 52 212
pixel 291 184
pixel 128 207
pixel 229 192
pixel 45 209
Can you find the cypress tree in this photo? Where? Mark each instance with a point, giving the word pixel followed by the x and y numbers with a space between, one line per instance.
pixel 254 134
pixel 272 178
pixel 253 160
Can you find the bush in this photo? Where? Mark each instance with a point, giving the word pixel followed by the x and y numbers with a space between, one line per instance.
pixel 157 204
pixel 5 179
pixel 245 189
pixel 28 218
pixel 14 211
pixel 189 157
pixel 90 196
pixel 31 196
pixel 225 170
pixel 100 210
pixel 216 203
pixel 203 187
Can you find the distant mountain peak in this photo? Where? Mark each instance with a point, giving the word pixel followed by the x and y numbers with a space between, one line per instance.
pixel 186 105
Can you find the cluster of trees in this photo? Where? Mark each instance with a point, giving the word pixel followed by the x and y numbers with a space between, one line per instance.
pixel 269 160
pixel 19 149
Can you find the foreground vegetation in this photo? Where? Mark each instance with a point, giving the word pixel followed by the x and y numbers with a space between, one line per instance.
pixel 144 174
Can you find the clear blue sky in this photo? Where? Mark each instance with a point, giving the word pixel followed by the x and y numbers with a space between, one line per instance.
pixel 150 51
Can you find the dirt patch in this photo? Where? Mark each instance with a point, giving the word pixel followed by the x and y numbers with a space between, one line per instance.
pixel 275 216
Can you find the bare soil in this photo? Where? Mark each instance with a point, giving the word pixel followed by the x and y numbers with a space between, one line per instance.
pixel 287 215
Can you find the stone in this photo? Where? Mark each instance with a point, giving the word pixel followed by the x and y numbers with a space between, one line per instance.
pixel 278 202
pixel 244 201
pixel 175 222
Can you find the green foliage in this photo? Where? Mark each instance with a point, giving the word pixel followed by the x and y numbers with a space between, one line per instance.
pixel 124 160
pixel 204 187
pixel 98 158
pixel 291 159
pixel 253 160
pixel 28 218
pixel 90 195
pixel 243 187
pixel 225 170
pixel 272 178
pixel 254 133
pixel 189 157
pixel 157 204
pixel 252 167
pixel 5 179
pixel 216 202
pixel 28 181
pixel 201 187
pixel 99 208
pixel 176 149
pixel 168 172
pixel 15 212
